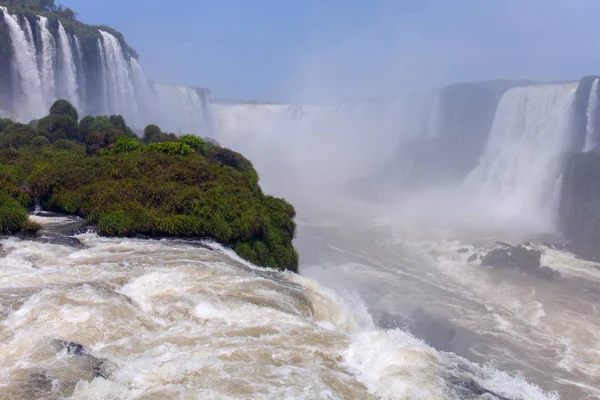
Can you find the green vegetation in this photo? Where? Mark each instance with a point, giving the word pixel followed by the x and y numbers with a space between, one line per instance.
pixel 188 187
pixel 13 216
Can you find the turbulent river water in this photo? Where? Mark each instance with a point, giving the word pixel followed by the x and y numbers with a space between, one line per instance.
pixel 181 319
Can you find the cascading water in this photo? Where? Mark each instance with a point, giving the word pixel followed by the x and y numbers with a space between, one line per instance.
pixel 63 67
pixel 30 95
pixel 47 60
pixel 68 70
pixel 104 83
pixel 521 165
pixel 590 129
pixel 121 93
pixel 80 68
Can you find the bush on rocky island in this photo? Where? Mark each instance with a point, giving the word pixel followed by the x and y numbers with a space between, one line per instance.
pixel 184 188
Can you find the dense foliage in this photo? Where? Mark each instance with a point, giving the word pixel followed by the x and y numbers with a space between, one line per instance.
pixel 96 169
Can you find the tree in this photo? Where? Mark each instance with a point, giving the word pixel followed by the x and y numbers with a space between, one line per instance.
pixel 63 107
pixel 150 132
pixel 194 142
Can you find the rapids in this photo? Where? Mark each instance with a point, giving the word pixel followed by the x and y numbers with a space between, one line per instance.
pixel 189 319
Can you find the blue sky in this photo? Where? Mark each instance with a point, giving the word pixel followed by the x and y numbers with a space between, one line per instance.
pixel 284 50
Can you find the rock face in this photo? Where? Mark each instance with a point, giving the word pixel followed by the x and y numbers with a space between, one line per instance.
pixel 518 257
pixel 579 213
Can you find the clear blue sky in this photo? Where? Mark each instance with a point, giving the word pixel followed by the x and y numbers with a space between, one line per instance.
pixel 316 49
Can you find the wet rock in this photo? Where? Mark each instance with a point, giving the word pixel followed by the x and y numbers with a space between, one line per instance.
pixel 463 250
pixel 38 384
pixel 520 258
pixel 513 257
pixel 473 257
pixel 62 240
pixel 547 273
pixel 84 228
pixel 97 367
pixel 468 388
pixel 59 240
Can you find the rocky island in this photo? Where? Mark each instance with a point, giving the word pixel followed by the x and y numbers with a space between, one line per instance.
pixel 159 186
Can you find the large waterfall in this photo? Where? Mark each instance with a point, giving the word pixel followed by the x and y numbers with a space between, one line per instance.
pixel 100 76
pixel 519 172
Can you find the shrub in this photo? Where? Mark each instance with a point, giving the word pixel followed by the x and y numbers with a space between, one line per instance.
pixel 85 126
pixel 101 124
pixel 115 223
pixel 18 135
pixel 63 144
pixel 194 142
pixel 170 148
pixel 231 158
pixel 125 144
pixel 30 227
pixel 13 215
pixel 94 142
pixel 57 127
pixel 63 107
pixel 39 141
pixel 4 123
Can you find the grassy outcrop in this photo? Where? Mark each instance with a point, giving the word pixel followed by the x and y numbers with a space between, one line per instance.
pixel 188 188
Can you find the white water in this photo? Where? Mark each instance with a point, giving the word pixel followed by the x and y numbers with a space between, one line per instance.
pixel 520 168
pixel 25 59
pixel 68 69
pixel 592 108
pixel 177 320
pixel 48 60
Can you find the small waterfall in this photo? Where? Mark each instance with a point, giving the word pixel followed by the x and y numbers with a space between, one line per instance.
pixel 521 165
pixel 28 33
pixel 590 129
pixel 68 70
pixel 47 62
pixel 30 102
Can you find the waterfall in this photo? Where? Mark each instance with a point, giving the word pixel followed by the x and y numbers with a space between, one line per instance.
pixel 520 169
pixel 68 71
pixel 30 103
pixel 80 69
pixel 103 79
pixel 121 93
pixel 590 129
pixel 47 63
pixel 28 33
